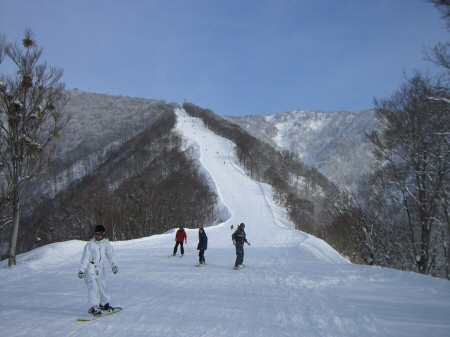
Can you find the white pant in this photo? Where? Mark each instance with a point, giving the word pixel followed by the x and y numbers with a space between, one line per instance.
pixel 97 288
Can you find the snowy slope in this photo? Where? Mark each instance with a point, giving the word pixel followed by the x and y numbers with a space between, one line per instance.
pixel 294 284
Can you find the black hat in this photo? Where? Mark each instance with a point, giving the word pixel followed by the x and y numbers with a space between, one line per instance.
pixel 242 224
pixel 100 229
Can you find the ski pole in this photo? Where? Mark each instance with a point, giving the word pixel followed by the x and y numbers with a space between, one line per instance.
pixel 188 246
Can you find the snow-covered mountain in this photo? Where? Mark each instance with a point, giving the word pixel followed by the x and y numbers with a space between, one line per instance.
pixel 99 124
pixel 332 142
pixel 293 285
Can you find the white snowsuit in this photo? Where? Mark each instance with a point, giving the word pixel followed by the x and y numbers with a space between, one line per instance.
pixel 95 255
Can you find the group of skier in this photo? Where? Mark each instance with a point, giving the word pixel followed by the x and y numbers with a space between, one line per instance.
pixel 181 236
pixel 99 250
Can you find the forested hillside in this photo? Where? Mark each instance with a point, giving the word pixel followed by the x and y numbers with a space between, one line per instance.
pixel 118 163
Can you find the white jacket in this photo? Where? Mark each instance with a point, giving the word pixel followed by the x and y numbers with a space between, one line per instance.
pixel 95 255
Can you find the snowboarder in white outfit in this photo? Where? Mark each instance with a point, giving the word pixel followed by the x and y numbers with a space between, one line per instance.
pixel 92 268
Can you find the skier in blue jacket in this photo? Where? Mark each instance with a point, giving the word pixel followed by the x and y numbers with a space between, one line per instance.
pixel 202 246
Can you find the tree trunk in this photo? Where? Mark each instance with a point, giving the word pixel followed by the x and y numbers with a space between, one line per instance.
pixel 14 233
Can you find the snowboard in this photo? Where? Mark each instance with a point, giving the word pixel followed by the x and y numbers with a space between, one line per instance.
pixel 93 318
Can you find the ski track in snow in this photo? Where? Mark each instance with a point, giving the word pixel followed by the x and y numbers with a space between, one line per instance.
pixel 293 284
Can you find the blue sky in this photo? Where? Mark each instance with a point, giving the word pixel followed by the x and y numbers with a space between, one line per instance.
pixel 233 57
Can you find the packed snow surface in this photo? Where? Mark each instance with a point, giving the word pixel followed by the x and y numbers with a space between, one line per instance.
pixel 293 284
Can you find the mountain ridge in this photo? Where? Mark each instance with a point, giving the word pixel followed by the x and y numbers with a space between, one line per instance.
pixel 332 142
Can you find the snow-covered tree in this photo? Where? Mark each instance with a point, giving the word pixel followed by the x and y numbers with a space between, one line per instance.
pixel 31 105
pixel 413 149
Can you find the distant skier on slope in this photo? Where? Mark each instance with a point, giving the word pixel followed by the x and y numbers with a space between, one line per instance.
pixel 179 237
pixel 92 268
pixel 202 246
pixel 239 238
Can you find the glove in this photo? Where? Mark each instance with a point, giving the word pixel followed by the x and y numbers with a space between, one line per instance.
pixel 114 269
pixel 80 275
pixel 248 243
pixel 234 242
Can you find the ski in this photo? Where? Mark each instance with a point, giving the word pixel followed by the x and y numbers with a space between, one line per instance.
pixel 239 267
pixel 200 265
pixel 93 318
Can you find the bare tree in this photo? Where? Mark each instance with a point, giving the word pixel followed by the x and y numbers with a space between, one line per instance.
pixel 31 104
pixel 412 147
pixel 444 7
pixel 439 55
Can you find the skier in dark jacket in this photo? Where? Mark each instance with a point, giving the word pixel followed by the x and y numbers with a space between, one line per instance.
pixel 239 238
pixel 202 246
pixel 179 237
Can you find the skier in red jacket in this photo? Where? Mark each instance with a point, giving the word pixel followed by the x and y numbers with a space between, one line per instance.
pixel 179 237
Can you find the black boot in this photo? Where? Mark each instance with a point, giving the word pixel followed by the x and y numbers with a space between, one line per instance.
pixel 94 311
pixel 106 307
